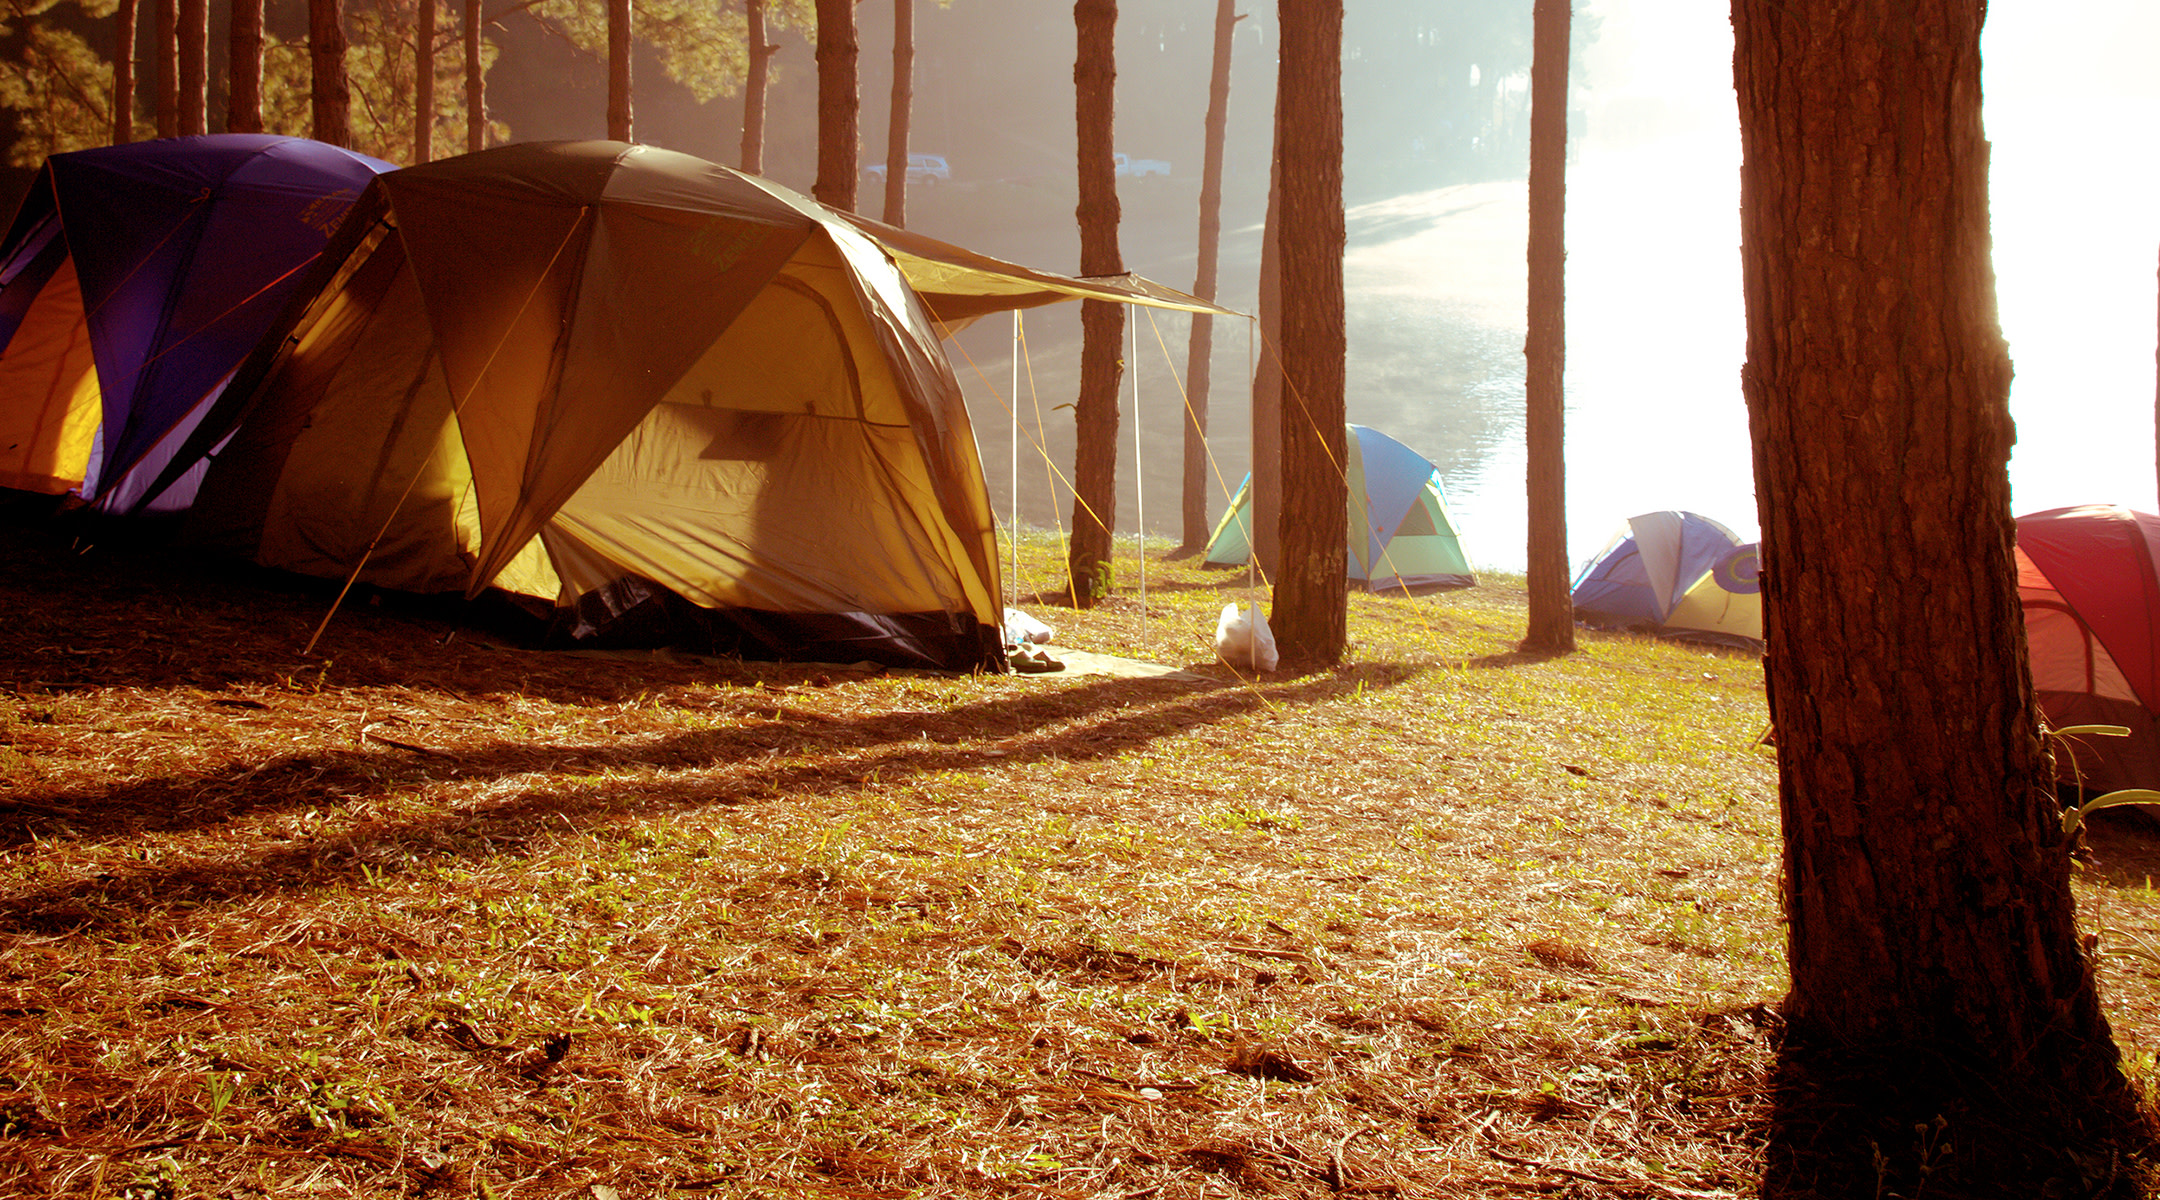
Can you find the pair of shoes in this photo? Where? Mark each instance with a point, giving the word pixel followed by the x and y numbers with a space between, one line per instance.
pixel 1032 660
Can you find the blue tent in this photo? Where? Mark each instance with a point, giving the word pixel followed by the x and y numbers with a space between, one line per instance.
pixel 1674 573
pixel 134 280
pixel 1401 534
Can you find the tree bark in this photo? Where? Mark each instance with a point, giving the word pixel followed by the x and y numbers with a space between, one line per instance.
pixel 839 105
pixel 1927 875
pixel 1310 616
pixel 244 68
pixel 1552 612
pixel 618 92
pixel 903 102
pixel 1200 353
pixel 1102 325
pixel 1266 531
pixel 194 34
pixel 123 87
pixel 330 92
pixel 424 83
pixel 166 53
pixel 475 82
pixel 761 52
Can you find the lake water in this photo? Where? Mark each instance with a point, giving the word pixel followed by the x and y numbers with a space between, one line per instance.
pixel 1655 329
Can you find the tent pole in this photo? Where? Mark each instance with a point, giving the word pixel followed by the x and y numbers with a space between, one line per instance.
pixel 1138 471
pixel 1252 535
pixel 1012 532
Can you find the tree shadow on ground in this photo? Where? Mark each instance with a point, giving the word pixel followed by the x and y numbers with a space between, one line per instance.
pixel 824 754
pixel 1912 1121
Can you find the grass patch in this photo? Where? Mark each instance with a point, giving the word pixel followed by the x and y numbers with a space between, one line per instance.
pixel 432 914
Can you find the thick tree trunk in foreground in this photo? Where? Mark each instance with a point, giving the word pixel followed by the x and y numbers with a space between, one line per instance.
pixel 1102 325
pixel 838 105
pixel 244 68
pixel 475 82
pixel 424 84
pixel 903 103
pixel 618 91
pixel 194 67
pixel 753 121
pixel 1312 586
pixel 1928 900
pixel 1194 510
pixel 123 87
pixel 1552 612
pixel 330 92
pixel 165 29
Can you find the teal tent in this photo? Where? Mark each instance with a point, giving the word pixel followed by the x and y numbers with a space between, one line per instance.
pixel 1400 531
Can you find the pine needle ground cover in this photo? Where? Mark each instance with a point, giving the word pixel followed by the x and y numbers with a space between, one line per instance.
pixel 426 913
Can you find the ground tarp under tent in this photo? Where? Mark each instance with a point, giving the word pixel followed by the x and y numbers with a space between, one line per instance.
pixel 133 281
pixel 649 390
pixel 1676 574
pixel 1401 534
pixel 2089 581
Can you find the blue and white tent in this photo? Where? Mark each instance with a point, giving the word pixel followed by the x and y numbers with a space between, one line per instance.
pixel 1401 534
pixel 1679 574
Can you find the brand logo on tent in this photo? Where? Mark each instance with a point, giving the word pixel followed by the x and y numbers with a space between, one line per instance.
pixel 1740 571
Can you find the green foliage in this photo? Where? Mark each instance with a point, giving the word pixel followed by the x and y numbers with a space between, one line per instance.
pixel 58 87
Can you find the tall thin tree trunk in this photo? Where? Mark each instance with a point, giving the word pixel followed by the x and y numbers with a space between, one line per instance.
pixel 903 103
pixel 194 33
pixel 1931 936
pixel 753 121
pixel 166 54
pixel 1194 510
pixel 1552 612
pixel 123 88
pixel 330 91
pixel 1102 325
pixel 1267 480
pixel 244 68
pixel 1311 612
pixel 618 39
pixel 839 105
pixel 475 82
pixel 424 83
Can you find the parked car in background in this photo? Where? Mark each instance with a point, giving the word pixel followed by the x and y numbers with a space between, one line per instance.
pixel 921 168
pixel 1129 167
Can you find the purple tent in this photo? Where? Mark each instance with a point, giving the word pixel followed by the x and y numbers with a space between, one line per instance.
pixel 133 281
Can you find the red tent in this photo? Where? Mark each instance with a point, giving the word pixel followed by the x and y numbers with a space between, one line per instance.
pixel 2089 579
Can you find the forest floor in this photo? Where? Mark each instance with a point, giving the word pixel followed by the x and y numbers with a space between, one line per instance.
pixel 426 913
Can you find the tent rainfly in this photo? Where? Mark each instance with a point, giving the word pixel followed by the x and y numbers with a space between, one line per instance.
pixel 134 280
pixel 1401 534
pixel 1676 574
pixel 2089 582
pixel 639 386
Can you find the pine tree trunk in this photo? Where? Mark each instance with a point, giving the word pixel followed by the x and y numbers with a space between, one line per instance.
pixel 475 82
pixel 903 103
pixel 424 83
pixel 1929 910
pixel 1102 325
pixel 1199 355
pixel 839 105
pixel 1552 611
pixel 1312 586
pixel 618 92
pixel 194 34
pixel 330 92
pixel 753 123
pixel 123 87
pixel 166 53
pixel 1266 531
pixel 244 68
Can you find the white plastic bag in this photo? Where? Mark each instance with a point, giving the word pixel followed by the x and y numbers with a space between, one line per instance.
pixel 1022 629
pixel 1245 641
